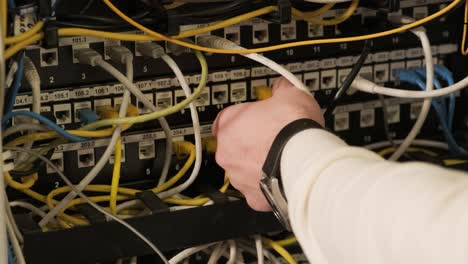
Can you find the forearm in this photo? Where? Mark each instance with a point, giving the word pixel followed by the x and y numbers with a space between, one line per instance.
pixel 363 209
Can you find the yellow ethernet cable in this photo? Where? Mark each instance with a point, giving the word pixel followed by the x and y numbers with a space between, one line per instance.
pixel 280 250
pixel 327 22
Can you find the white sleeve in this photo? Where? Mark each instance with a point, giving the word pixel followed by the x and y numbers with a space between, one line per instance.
pixel 348 205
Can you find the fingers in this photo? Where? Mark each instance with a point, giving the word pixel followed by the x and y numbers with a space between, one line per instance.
pixel 226 116
pixel 282 89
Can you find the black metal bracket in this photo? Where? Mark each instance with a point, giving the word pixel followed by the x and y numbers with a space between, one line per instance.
pixel 168 231
pixel 283 14
pixel 152 202
pixel 93 215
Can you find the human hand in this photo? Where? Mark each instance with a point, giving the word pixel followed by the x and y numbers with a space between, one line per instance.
pixel 246 131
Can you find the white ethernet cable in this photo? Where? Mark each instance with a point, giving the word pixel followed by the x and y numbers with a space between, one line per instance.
pixel 155 51
pixel 3 225
pixel 232 252
pixel 25 127
pixel 187 253
pixel 259 247
pixel 11 74
pixel 35 210
pixel 97 207
pixel 128 59
pixel 196 130
pixel 217 253
pixel 222 43
pixel 420 32
pixel 147 103
pixel 34 80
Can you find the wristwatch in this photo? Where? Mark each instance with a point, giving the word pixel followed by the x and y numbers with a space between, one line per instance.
pixel 270 183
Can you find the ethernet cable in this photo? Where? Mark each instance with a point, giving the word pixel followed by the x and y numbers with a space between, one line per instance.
pixel 142 98
pixel 281 46
pixel 447 75
pixel 164 112
pixel 122 55
pixel 426 45
pixel 46 122
pixel 247 248
pixel 259 248
pixel 3 224
pixel 155 51
pixel 91 58
pixel 232 252
pixel 187 253
pixel 196 130
pixel 222 43
pixel 97 207
pixel 280 250
pixel 217 252
pixel 11 74
pixel 442 115
pixel 34 209
pixel 327 22
pixel 16 86
pixel 24 127
pixel 151 35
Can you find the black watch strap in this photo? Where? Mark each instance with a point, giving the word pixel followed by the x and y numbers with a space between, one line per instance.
pixel 270 182
pixel 271 167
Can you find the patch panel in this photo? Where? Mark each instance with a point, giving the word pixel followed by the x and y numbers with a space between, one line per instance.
pixel 86 158
pixel 163 100
pixel 413 64
pixel 415 109
pixel 63 114
pixel 342 74
pixel 102 103
pixel 394 67
pixel 393 113
pixel 367 118
pixel 142 109
pixel 328 79
pixel 233 34
pixel 146 150
pixel 260 33
pixel 381 73
pixel 204 98
pixel 254 84
pixel 180 96
pixel 57 160
pixel 48 57
pixel 312 80
pixel 314 30
pixel 288 31
pixel 85 105
pixel 123 155
pixel 220 94
pixel 238 92
pixel 341 122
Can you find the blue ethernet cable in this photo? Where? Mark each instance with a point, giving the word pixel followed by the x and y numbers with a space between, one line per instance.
pixel 11 258
pixel 46 122
pixel 442 72
pixel 437 85
pixel 16 85
pixel 11 4
pixel 413 78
